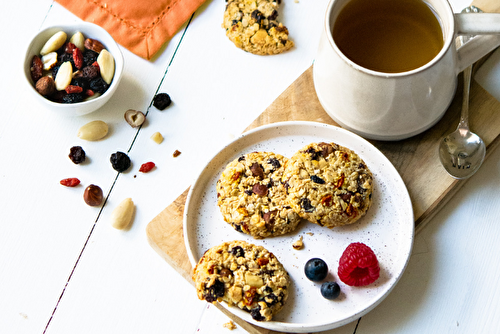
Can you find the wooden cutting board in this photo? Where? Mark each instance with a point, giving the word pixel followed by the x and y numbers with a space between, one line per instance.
pixel 416 159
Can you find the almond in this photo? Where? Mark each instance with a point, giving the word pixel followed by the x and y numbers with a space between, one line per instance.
pixel 106 65
pixel 93 131
pixel 64 76
pixel 121 217
pixel 54 43
pixel 79 40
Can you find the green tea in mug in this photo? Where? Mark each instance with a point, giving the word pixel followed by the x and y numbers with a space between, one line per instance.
pixel 388 36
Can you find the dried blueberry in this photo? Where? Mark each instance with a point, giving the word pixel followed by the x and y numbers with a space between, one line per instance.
pixel 270 299
pixel 80 82
pixel 215 291
pixel 99 85
pixel 77 154
pixel 273 15
pixel 316 269
pixel 274 162
pixel 305 204
pixel 317 179
pixel 89 57
pixel 237 251
pixel 120 161
pixel 90 72
pixel 161 101
pixel 330 290
pixel 255 313
pixel 72 98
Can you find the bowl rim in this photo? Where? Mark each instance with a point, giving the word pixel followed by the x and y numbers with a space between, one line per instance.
pixel 110 44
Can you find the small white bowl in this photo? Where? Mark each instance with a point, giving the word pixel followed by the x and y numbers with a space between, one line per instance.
pixel 89 30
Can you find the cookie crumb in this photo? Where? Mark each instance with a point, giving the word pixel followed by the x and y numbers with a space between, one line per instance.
pixel 298 244
pixel 229 325
pixel 177 153
pixel 310 233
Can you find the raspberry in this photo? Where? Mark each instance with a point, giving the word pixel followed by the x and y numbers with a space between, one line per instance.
pixel 358 265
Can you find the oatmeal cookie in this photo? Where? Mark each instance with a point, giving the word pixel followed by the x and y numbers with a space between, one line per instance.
pixel 328 184
pixel 251 25
pixel 243 275
pixel 252 198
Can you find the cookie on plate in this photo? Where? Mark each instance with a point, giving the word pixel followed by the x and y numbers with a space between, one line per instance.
pixel 251 25
pixel 252 198
pixel 243 275
pixel 328 184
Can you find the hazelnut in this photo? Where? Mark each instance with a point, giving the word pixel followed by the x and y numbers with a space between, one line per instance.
pixel 93 195
pixel 134 117
pixel 45 86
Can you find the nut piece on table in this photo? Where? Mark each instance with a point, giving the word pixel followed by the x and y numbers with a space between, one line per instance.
pixel 93 131
pixel 121 217
pixel 93 195
pixel 45 86
pixel 134 117
pixel 157 137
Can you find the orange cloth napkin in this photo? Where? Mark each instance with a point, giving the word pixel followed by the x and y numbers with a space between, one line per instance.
pixel 142 26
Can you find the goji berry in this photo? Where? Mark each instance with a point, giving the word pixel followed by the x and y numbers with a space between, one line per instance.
pixel 70 182
pixel 71 89
pixel 89 92
pixel 78 58
pixel 146 167
pixel 69 48
pixel 95 64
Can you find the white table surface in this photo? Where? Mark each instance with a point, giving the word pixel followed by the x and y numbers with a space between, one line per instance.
pixel 64 269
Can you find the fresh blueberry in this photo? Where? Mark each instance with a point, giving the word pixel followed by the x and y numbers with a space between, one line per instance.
pixel 330 290
pixel 316 269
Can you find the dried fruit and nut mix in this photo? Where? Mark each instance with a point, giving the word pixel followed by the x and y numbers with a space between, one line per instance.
pixel 70 71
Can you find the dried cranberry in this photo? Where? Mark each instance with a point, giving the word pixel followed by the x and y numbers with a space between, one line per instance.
pixel 161 101
pixel 146 167
pixel 120 161
pixel 77 154
pixel 70 182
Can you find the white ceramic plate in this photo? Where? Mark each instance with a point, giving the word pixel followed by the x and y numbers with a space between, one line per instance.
pixel 388 228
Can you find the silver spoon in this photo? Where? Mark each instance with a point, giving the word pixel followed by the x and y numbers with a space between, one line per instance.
pixel 462 152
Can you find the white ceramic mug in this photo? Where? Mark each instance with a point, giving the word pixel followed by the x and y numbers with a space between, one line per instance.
pixel 394 106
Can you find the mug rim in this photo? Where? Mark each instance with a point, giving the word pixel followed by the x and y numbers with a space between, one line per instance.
pixel 446 45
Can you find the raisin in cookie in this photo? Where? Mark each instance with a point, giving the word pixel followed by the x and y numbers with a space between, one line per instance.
pixel 251 25
pixel 242 275
pixel 252 198
pixel 328 184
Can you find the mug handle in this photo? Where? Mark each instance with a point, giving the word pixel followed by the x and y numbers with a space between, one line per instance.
pixel 487 25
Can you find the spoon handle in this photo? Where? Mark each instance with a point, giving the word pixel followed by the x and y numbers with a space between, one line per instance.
pixel 464 116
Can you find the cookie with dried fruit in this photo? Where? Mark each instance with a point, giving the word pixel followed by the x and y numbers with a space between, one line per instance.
pixel 328 184
pixel 252 198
